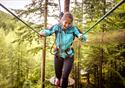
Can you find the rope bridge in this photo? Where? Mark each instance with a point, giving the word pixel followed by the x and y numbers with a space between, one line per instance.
pixel 71 81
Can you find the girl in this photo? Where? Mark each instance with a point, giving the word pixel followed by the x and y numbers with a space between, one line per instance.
pixel 64 53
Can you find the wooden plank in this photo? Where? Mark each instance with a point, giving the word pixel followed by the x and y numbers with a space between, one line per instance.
pixel 71 81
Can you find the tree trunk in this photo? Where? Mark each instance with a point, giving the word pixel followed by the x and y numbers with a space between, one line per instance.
pixel 44 49
pixel 96 76
pixel 66 5
pixel 101 49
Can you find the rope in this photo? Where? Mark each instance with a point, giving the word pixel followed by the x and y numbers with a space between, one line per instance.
pixel 103 17
pixel 19 18
pixel 98 21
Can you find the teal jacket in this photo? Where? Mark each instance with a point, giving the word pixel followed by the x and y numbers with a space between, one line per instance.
pixel 64 39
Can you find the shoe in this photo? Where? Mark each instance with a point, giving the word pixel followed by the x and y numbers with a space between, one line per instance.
pixel 57 82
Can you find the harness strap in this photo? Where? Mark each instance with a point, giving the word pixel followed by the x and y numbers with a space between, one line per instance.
pixel 57 50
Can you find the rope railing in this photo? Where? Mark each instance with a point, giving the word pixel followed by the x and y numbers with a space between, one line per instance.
pixel 98 21
pixel 104 16
pixel 19 19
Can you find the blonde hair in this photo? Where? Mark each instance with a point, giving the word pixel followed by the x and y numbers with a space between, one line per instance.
pixel 67 14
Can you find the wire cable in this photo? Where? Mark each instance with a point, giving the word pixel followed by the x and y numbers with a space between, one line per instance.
pixel 103 17
pixel 19 19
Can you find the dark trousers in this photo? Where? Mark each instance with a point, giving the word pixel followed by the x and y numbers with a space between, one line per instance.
pixel 63 68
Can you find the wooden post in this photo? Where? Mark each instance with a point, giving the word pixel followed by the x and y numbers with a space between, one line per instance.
pixel 44 49
pixel 66 5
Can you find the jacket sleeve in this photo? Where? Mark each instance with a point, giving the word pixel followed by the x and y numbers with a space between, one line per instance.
pixel 80 35
pixel 50 31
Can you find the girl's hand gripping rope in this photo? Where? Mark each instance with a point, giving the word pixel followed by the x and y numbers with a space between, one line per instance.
pixel 83 37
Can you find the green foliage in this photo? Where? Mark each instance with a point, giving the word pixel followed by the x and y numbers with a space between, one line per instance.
pixel 19 68
pixel 7 22
pixel 105 43
pixel 37 8
pixel 20 59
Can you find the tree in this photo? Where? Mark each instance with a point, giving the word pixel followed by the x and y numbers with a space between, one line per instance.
pixel 95 11
pixel 66 5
